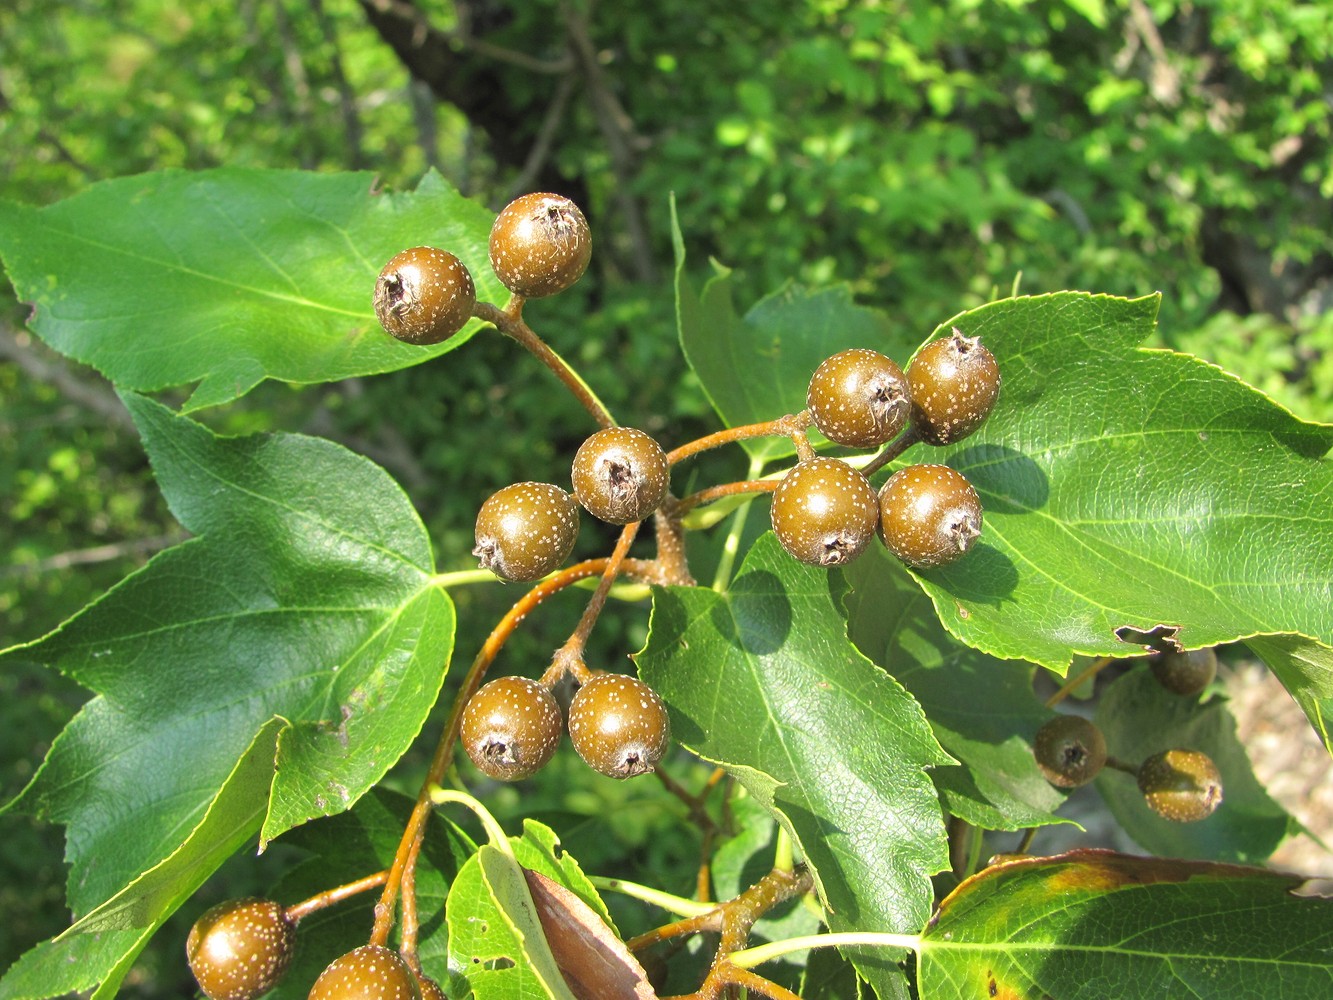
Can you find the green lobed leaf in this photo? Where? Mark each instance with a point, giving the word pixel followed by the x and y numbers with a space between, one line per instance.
pixel 495 937
pixel 981 709
pixel 1094 923
pixel 763 680
pixel 1139 718
pixel 227 277
pixel 306 597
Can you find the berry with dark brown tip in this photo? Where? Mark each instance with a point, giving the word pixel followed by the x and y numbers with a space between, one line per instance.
pixel 424 295
pixel 1070 751
pixel 954 383
pixel 619 725
pixel 929 515
pixel 620 475
pixel 526 530
pixel 859 398
pixel 1185 673
pixel 1183 786
pixel 540 245
pixel 824 512
pixel 371 972
pixel 511 728
pixel 239 949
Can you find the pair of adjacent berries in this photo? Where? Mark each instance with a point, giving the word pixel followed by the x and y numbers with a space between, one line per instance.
pixel 1180 785
pixel 240 949
pixel 618 724
pixel 526 530
pixel 540 245
pixel 825 511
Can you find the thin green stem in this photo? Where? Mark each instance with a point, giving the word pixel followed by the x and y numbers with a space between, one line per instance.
pixel 495 834
pixel 677 905
pixel 732 546
pixel 461 578
pixel 759 954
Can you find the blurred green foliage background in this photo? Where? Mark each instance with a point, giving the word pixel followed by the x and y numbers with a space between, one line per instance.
pixel 932 155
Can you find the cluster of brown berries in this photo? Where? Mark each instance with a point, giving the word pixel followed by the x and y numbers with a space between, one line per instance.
pixel 825 511
pixel 1180 785
pixel 540 244
pixel 617 723
pixel 240 949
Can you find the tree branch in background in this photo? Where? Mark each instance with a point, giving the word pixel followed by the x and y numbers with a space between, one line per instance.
pixel 17 346
pixel 621 142
pixel 352 128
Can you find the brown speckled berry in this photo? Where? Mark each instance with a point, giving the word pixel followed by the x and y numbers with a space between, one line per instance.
pixel 824 512
pixel 1070 751
pixel 540 245
pixel 929 515
pixel 239 950
pixel 954 383
pixel 859 398
pixel 1181 785
pixel 526 530
pixel 620 475
pixel 424 296
pixel 511 728
pixel 430 989
pixel 371 972
pixel 1185 673
pixel 618 725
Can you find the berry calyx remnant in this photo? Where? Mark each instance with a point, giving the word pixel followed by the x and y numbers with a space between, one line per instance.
pixel 240 949
pixel 1070 751
pixel 859 398
pixel 954 383
pixel 526 530
pixel 929 515
pixel 619 725
pixel 424 295
pixel 824 512
pixel 1183 786
pixel 620 475
pixel 511 728
pixel 371 972
pixel 540 245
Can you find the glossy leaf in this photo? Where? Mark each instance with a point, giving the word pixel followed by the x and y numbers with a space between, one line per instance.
pixel 763 680
pixel 981 709
pixel 227 277
pixel 100 948
pixel 1126 487
pixel 1093 923
pixel 1139 718
pixel 496 938
pixel 305 597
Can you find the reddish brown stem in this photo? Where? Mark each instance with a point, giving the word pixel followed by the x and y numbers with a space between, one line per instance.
pixel 509 321
pixel 891 451
pixel 410 844
pixel 793 425
pixel 569 657
pixel 714 493
pixel 1079 679
pixel 330 896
